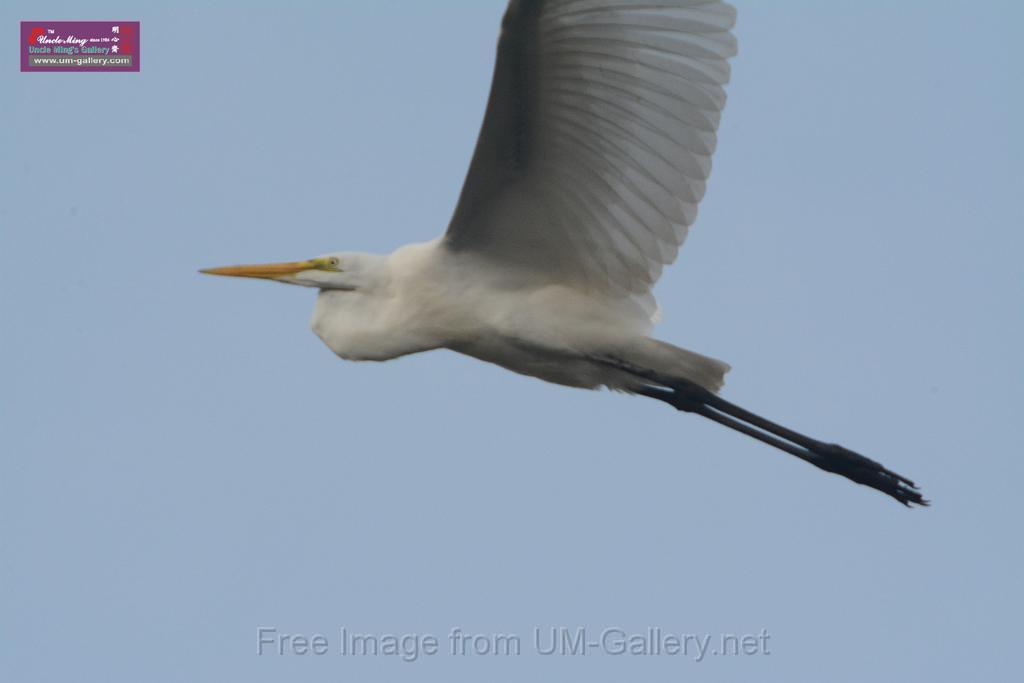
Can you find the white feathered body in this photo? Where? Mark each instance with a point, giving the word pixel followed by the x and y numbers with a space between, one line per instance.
pixel 591 162
pixel 592 158
pixel 425 297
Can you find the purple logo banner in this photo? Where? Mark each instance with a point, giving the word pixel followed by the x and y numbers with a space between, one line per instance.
pixel 80 46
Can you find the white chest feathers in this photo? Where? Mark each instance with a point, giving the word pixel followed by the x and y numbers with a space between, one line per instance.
pixel 387 313
pixel 356 326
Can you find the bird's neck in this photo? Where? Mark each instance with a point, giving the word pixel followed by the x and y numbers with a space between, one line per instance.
pixel 389 315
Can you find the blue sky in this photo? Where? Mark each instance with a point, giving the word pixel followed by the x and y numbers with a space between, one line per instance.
pixel 184 462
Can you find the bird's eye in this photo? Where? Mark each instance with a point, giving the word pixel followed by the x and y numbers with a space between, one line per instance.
pixel 334 262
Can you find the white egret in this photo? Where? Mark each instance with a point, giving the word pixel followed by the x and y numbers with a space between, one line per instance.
pixel 593 155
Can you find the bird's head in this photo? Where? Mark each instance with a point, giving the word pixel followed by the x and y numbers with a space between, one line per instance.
pixel 340 271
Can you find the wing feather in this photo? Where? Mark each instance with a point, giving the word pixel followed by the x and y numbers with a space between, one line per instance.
pixel 597 141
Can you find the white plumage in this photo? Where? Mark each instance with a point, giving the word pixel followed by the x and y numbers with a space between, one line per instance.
pixel 591 162
pixel 598 139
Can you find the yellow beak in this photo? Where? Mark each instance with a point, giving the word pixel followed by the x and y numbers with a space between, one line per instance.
pixel 266 271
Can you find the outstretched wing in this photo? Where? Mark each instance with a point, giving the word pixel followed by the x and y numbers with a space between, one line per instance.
pixel 598 137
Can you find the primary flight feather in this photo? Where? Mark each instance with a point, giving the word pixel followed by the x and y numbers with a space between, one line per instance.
pixel 591 162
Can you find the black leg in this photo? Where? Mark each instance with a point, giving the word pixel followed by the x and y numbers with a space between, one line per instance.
pixel 692 398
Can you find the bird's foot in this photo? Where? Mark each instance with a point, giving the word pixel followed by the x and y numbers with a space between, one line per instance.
pixel 854 466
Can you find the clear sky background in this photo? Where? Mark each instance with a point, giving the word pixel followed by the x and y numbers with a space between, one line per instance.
pixel 183 461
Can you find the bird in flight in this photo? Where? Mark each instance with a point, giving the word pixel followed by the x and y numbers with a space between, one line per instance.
pixel 594 153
